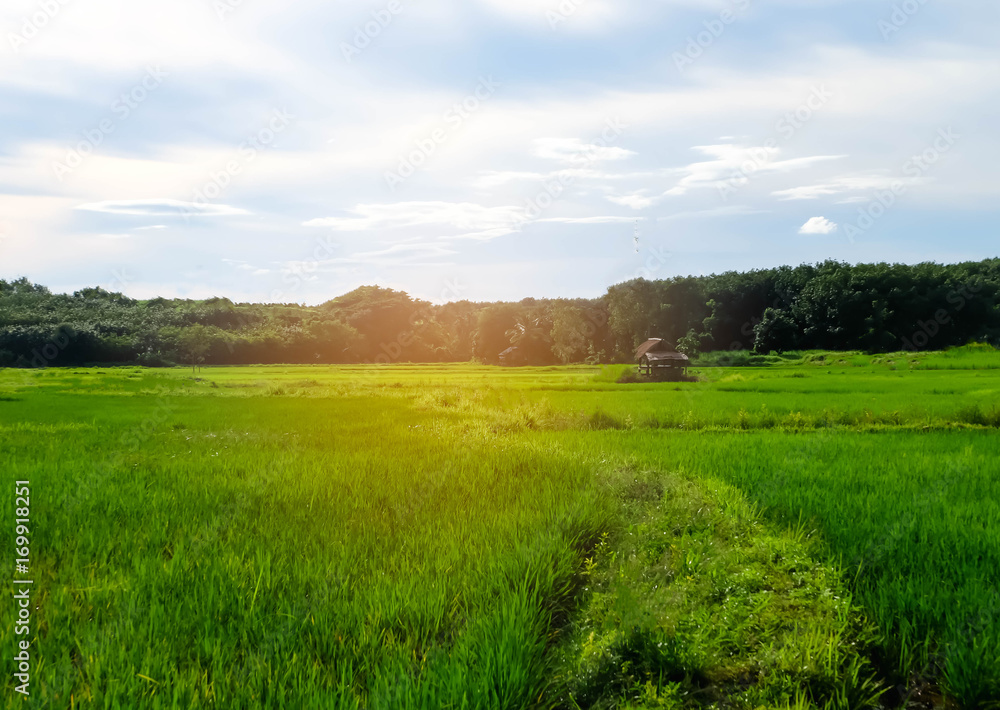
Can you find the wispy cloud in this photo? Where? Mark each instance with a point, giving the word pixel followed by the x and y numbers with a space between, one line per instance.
pixel 493 179
pixel 473 221
pixel 730 159
pixel 600 219
pixel 445 221
pixel 161 207
pixel 395 255
pixel 574 151
pixel 637 201
pixel 730 162
pixel 840 186
pixel 725 211
pixel 402 250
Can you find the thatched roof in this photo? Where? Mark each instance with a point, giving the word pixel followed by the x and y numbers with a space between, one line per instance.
pixel 666 357
pixel 653 345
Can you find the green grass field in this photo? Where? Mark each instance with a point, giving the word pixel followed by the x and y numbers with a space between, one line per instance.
pixel 815 530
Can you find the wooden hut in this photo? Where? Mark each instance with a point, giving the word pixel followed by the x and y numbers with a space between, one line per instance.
pixel 659 361
pixel 512 357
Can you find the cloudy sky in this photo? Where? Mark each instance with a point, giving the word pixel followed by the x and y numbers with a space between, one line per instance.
pixel 488 149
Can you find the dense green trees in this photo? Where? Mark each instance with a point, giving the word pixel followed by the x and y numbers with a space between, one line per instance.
pixel 832 305
pixel 490 338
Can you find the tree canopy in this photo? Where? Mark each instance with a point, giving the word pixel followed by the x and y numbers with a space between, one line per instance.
pixel 831 305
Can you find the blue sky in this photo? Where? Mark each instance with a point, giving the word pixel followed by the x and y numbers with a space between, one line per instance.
pixel 488 149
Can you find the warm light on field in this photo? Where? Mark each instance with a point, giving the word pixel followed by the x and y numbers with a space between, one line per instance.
pixel 413 535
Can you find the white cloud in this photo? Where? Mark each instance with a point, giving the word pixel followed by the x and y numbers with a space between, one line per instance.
pixel 111 37
pixel 249 268
pixel 741 162
pixel 493 179
pixel 399 215
pixel 574 151
pixel 589 220
pixel 485 235
pixel 636 201
pixel 725 211
pixel 396 250
pixel 853 183
pixel 818 225
pixel 161 207
pixel 561 15
pixel 395 255
pixel 482 223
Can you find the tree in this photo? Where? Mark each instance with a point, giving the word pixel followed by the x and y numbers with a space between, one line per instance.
pixel 390 322
pixel 633 309
pixel 491 337
pixel 571 333
pixel 194 343
pixel 533 337
pixel 776 331
pixel 690 344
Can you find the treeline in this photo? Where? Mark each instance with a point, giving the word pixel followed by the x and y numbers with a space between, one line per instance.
pixel 832 305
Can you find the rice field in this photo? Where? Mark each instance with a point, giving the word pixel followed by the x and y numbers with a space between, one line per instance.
pixel 816 531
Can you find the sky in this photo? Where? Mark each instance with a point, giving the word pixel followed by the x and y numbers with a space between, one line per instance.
pixel 488 149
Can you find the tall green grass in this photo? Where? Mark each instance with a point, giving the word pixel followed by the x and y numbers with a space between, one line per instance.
pixel 975 356
pixel 914 518
pixel 275 552
pixel 464 536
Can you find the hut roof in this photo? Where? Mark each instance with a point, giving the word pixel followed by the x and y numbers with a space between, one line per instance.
pixel 653 345
pixel 666 357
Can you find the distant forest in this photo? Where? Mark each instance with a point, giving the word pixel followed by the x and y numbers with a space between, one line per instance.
pixel 832 305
